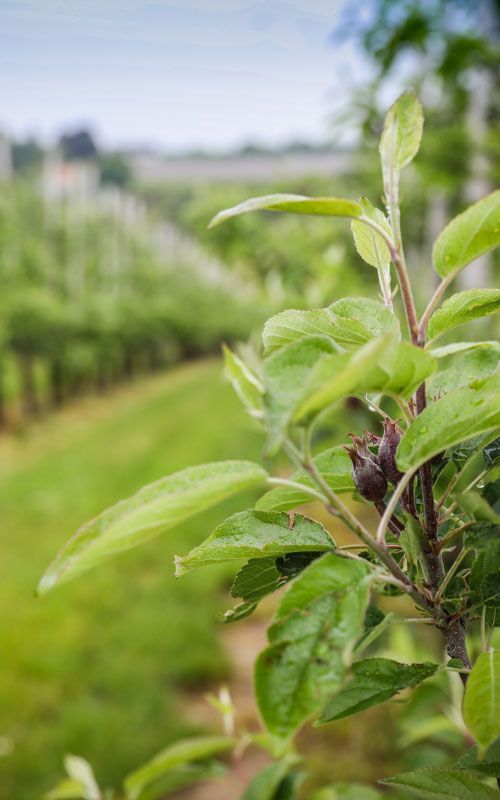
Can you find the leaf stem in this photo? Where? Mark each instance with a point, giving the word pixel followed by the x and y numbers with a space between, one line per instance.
pixel 403 405
pixel 484 638
pixel 433 556
pixel 445 541
pixel 361 546
pixel 372 406
pixel 442 500
pixel 436 569
pixel 451 509
pixel 395 525
pixel 391 506
pixel 384 279
pixel 436 297
pixel 376 408
pixel 398 259
pixel 301 487
pixel 452 629
pixel 449 575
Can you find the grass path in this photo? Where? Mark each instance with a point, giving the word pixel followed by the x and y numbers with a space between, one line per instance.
pixel 94 668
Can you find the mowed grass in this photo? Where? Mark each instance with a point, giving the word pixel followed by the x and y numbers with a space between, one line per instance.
pixel 95 668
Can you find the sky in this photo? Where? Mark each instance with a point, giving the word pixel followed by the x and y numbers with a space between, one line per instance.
pixel 174 74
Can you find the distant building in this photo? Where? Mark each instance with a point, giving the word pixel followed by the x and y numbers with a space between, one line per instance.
pixel 259 167
pixel 75 180
pixel 5 158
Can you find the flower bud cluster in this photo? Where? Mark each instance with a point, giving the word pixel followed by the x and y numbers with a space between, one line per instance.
pixel 372 473
pixel 387 452
pixel 368 478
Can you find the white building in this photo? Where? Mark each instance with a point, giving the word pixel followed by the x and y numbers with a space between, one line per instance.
pixel 5 158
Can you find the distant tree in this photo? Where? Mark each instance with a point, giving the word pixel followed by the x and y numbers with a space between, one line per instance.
pixel 78 145
pixel 440 45
pixel 114 169
pixel 449 51
pixel 26 155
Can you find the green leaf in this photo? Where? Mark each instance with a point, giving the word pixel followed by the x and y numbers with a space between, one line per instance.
pixel 335 467
pixel 289 788
pixel 481 709
pixel 470 454
pixel 455 664
pixel 185 753
pixel 318 620
pixel 374 681
pixel 372 633
pixel 463 307
pixel 492 452
pixel 293 324
pixel 489 764
pixel 373 617
pixel 79 769
pixel 248 388
pixel 262 576
pixel 285 498
pixel 412 540
pixel 179 778
pixel 359 319
pixel 294 204
pixel 253 534
pixel 406 367
pixel 67 789
pixel 483 579
pixel 465 369
pixel 423 729
pixel 347 791
pixel 337 376
pixel 80 784
pixel 477 507
pixel 370 245
pixel 458 347
pixel 268 784
pixel 380 365
pixel 239 612
pixel 401 136
pixel 474 464
pixel 304 377
pixel 292 564
pixel 482 536
pixel 286 373
pixel 458 416
pixel 441 784
pixel 349 322
pixel 153 509
pixel 468 236
pixel 255 579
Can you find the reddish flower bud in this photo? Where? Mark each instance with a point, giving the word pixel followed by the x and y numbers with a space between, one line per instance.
pixel 387 452
pixel 360 444
pixel 368 478
pixel 372 437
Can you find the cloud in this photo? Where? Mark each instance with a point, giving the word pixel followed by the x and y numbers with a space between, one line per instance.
pixel 220 23
pixel 178 72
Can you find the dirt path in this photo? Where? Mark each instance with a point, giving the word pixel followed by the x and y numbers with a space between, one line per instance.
pixel 242 642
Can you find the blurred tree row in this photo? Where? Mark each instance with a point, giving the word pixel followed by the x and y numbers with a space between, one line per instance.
pixel 87 302
pixel 305 262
